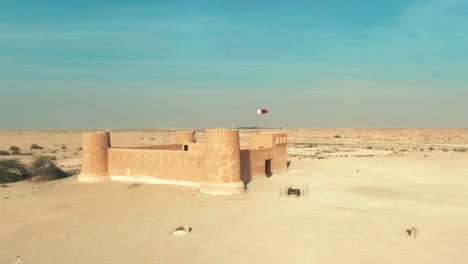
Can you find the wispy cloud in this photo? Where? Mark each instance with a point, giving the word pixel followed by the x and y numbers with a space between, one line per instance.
pixel 363 59
pixel 50 35
pixel 429 22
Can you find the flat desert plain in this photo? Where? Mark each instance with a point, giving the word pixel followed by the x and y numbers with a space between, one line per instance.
pixel 364 188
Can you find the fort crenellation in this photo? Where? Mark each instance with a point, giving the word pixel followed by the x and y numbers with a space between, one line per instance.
pixel 220 166
pixel 185 137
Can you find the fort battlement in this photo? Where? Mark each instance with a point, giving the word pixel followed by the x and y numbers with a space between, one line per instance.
pixel 261 140
pixel 218 166
pixel 261 133
pixel 219 133
pixel 96 132
pixel 185 137
pixel 223 138
pixel 280 138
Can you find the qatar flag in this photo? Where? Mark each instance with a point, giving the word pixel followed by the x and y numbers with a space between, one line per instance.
pixel 262 111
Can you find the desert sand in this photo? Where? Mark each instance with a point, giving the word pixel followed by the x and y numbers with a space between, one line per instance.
pixel 364 189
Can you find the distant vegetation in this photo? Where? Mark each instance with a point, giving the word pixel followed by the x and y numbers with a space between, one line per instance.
pixel 15 150
pixel 46 168
pixel 13 170
pixel 4 153
pixel 35 146
pixel 337 136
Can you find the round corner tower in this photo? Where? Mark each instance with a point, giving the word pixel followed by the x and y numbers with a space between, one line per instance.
pixel 185 137
pixel 95 162
pixel 222 159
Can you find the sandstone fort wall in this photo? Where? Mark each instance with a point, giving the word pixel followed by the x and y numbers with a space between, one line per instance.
pixel 185 137
pixel 253 162
pixel 222 158
pixel 161 164
pixel 261 140
pixel 94 165
pixel 280 152
pixel 196 147
pixel 222 155
pixel 160 147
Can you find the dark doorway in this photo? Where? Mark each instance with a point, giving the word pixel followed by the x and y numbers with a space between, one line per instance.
pixel 185 147
pixel 268 167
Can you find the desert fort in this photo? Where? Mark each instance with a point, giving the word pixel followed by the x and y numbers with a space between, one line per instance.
pixel 220 165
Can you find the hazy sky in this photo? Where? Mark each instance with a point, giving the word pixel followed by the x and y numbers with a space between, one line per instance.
pixel 154 64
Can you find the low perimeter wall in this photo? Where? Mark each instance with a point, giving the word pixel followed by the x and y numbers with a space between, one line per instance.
pixel 170 165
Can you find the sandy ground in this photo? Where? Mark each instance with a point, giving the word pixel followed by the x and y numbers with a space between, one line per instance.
pixel 365 189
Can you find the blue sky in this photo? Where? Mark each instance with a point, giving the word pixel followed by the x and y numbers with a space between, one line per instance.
pixel 153 64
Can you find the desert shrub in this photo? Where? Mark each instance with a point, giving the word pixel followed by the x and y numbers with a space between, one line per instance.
pixel 337 136
pixel 4 153
pixel 63 147
pixel 46 168
pixel 460 150
pixel 35 146
pixel 370 147
pixel 12 171
pixel 14 148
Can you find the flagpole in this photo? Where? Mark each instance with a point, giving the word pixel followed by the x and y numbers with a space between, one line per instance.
pixel 256 118
pixel 260 111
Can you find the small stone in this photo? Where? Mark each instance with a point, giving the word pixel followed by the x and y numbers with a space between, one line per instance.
pixel 182 231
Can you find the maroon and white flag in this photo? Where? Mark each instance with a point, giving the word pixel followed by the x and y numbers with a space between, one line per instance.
pixel 262 111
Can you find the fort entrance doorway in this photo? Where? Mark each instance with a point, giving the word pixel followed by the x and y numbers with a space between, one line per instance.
pixel 268 167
